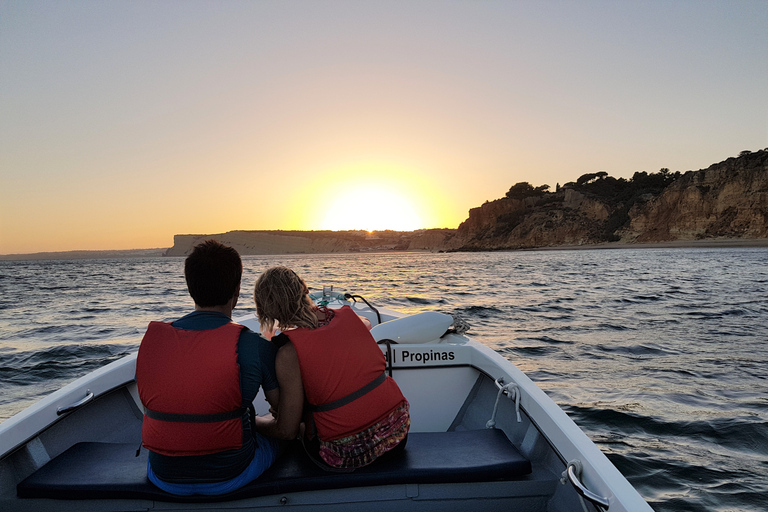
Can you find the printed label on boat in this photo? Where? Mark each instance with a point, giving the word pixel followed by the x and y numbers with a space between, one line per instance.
pixel 424 356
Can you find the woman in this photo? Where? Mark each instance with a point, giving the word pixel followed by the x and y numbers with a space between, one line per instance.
pixel 355 413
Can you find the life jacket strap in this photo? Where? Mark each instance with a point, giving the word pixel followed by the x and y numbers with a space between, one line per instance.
pixel 350 397
pixel 195 418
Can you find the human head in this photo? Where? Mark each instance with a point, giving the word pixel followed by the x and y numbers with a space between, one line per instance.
pixel 282 296
pixel 213 272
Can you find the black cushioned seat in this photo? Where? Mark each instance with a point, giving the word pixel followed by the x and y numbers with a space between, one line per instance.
pixel 103 470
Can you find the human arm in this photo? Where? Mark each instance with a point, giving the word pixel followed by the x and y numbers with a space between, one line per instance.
pixel 290 399
pixel 273 398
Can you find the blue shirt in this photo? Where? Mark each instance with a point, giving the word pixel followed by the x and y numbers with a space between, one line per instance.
pixel 256 359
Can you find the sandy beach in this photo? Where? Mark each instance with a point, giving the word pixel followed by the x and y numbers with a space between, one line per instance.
pixel 674 244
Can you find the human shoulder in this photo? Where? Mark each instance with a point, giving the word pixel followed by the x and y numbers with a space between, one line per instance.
pixel 279 340
pixel 249 336
pixel 253 349
pixel 256 357
pixel 201 321
pixel 287 361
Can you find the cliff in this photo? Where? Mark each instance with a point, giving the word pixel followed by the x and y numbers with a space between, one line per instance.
pixel 317 242
pixel 729 199
pixel 567 217
pixel 726 200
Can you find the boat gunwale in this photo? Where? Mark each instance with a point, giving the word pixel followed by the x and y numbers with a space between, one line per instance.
pixel 26 425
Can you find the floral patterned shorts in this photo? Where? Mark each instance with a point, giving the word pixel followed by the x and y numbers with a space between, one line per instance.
pixel 358 450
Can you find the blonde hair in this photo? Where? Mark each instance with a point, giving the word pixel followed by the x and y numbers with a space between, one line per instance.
pixel 282 296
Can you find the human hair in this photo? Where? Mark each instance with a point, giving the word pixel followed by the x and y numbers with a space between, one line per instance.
pixel 213 272
pixel 282 296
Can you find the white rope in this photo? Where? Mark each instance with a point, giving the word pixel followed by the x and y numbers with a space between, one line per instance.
pixel 459 325
pixel 513 393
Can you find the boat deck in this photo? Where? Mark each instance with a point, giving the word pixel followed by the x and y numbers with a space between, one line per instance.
pixel 108 470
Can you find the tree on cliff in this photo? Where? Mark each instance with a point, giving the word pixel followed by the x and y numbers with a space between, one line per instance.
pixel 586 178
pixel 613 190
pixel 524 189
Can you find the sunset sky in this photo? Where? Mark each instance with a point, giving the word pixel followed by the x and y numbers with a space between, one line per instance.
pixel 124 123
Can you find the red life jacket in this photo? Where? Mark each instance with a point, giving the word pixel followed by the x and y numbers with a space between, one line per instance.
pixel 336 361
pixel 189 381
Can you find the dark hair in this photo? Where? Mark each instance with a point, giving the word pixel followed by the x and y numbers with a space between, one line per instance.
pixel 213 272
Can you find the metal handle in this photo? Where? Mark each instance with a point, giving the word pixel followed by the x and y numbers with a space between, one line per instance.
pixel 349 296
pixel 575 466
pixel 71 407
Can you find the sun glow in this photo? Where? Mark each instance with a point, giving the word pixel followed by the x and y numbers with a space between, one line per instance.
pixel 371 197
pixel 371 208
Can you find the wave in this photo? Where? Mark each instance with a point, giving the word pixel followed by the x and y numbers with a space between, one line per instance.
pixel 613 327
pixel 648 298
pixel 743 434
pixel 547 339
pixel 59 362
pixel 531 351
pixel 421 300
pixel 635 350
pixel 669 484
pixel 480 311
pixel 715 315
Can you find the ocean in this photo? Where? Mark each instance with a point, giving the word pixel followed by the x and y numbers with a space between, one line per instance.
pixel 659 355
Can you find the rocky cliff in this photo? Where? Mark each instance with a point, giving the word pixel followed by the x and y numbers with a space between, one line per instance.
pixel 567 217
pixel 729 199
pixel 726 200
pixel 316 242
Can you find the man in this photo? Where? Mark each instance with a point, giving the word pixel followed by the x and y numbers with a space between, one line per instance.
pixel 197 377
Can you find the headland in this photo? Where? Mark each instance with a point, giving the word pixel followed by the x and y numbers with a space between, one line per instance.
pixel 724 205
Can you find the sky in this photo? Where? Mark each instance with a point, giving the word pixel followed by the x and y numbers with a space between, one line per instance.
pixel 125 123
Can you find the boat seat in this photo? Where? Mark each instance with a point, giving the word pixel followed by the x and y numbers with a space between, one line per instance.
pixel 111 471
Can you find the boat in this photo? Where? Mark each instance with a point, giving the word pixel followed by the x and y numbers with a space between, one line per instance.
pixel 483 437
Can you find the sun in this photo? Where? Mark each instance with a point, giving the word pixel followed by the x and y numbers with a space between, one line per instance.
pixel 368 195
pixel 371 208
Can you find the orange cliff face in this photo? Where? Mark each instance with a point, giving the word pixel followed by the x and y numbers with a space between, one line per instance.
pixel 567 217
pixel 726 200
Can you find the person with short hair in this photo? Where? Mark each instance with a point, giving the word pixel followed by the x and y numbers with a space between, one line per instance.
pixel 356 414
pixel 197 379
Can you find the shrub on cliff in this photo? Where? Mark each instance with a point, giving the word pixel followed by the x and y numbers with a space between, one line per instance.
pixel 615 191
pixel 524 189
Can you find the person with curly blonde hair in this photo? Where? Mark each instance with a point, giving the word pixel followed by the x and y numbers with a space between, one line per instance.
pixel 355 413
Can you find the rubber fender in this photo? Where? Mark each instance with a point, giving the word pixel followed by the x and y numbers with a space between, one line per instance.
pixel 419 328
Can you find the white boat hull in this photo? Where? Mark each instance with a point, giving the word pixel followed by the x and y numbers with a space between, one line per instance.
pixel 451 384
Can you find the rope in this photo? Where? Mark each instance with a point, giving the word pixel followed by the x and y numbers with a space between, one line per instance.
pixel 513 393
pixel 458 326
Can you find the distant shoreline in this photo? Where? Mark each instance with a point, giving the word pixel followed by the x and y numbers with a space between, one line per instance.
pixel 152 253
pixel 85 255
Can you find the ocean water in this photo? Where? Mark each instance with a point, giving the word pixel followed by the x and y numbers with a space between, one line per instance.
pixel 659 355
